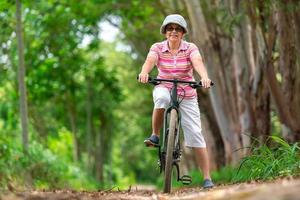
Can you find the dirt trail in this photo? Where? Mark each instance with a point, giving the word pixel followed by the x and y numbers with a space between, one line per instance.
pixel 278 190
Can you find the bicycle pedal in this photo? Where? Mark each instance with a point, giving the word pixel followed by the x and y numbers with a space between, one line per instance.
pixel 186 179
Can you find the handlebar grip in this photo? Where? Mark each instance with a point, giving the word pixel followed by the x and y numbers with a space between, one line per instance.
pixel 211 83
pixel 150 80
pixel 199 84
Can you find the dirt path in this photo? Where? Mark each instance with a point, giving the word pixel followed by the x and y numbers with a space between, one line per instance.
pixel 279 190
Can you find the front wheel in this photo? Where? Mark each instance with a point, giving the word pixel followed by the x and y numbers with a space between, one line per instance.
pixel 169 152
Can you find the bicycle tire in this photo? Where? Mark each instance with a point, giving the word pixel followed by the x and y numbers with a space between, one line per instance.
pixel 169 152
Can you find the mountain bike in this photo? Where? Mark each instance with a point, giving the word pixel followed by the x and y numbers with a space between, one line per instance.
pixel 169 150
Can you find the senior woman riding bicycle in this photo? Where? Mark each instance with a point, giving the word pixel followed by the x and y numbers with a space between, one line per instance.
pixel 176 58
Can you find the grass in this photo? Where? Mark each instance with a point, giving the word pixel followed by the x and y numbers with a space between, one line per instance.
pixel 279 159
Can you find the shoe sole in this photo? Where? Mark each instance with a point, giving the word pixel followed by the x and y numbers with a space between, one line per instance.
pixel 148 143
pixel 208 187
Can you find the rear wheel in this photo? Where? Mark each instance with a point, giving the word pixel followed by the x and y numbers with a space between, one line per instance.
pixel 169 152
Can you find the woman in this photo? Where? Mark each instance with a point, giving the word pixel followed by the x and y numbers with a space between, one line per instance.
pixel 176 58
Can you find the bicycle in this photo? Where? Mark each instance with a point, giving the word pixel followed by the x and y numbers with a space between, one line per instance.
pixel 169 152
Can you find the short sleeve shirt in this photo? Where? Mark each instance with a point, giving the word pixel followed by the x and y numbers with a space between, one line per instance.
pixel 177 66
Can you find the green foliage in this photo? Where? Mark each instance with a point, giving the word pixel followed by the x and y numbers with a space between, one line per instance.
pixel 57 75
pixel 224 175
pixel 44 168
pixel 279 160
pixel 128 150
pixel 61 144
pixel 275 124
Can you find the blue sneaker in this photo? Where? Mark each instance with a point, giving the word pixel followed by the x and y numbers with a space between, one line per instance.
pixel 208 184
pixel 152 141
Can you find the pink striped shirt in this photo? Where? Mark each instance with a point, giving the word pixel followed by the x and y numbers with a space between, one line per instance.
pixel 177 66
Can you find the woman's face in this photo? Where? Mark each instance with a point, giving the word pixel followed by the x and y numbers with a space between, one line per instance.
pixel 174 32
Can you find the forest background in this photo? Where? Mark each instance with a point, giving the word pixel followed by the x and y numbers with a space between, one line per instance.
pixel 72 114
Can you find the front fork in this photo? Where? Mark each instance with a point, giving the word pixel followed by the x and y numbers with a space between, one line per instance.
pixel 185 179
pixel 162 150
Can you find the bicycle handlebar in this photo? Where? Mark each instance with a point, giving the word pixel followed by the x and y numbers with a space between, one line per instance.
pixel 193 84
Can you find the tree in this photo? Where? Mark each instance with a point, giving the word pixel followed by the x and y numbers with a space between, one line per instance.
pixel 21 77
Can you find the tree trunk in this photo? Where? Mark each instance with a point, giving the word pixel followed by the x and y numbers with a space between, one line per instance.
pixel 72 118
pixel 100 154
pixel 21 77
pixel 213 137
pixel 226 126
pixel 38 122
pixel 296 93
pixel 289 124
pixel 289 68
pixel 244 68
pixel 259 93
pixel 89 122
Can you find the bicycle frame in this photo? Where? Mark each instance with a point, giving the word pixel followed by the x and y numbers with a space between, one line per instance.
pixel 173 105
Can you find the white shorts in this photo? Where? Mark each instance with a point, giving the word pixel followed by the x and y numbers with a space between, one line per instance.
pixel 190 116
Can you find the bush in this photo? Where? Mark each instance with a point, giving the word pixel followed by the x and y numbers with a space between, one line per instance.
pixel 40 168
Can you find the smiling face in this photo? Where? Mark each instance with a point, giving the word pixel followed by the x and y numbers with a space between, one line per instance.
pixel 174 32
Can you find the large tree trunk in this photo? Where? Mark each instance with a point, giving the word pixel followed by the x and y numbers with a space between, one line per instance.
pixel 21 77
pixel 290 68
pixel 241 76
pixel 229 133
pixel 211 132
pixel 252 99
pixel 260 95
pixel 289 123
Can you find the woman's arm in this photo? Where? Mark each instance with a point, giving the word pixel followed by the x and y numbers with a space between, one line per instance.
pixel 201 70
pixel 146 69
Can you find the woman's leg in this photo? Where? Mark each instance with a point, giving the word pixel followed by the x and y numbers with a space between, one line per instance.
pixel 161 99
pixel 191 125
pixel 202 161
pixel 157 120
